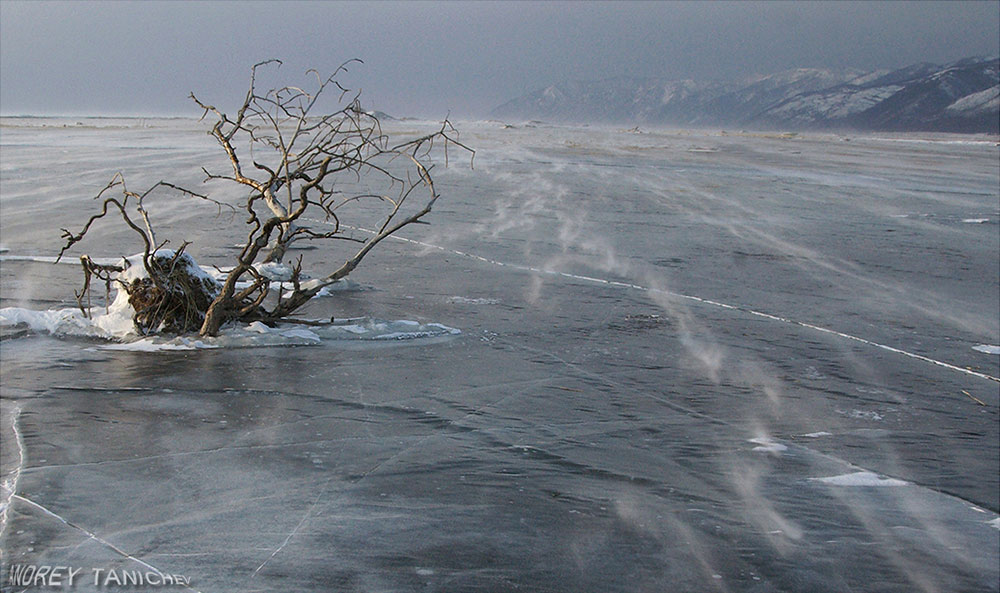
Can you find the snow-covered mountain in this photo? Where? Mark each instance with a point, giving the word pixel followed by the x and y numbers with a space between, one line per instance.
pixel 963 96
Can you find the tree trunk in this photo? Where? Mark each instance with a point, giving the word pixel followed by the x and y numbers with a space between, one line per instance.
pixel 219 312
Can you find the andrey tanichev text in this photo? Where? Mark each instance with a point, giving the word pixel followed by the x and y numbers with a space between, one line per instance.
pixel 32 575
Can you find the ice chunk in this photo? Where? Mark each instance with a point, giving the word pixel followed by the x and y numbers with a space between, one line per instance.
pixel 987 349
pixel 861 478
pixel 69 322
pixel 159 345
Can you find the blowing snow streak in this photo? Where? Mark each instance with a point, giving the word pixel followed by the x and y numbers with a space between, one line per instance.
pixel 697 299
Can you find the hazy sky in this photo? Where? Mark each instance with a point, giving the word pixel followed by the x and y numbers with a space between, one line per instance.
pixel 429 59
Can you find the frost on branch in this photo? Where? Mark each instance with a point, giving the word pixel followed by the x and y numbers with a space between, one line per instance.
pixel 295 159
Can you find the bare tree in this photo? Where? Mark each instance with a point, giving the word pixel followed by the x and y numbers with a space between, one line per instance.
pixel 298 163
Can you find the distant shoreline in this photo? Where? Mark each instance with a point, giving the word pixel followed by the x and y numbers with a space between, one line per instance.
pixel 77 122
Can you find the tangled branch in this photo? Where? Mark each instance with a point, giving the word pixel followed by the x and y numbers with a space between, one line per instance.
pixel 297 159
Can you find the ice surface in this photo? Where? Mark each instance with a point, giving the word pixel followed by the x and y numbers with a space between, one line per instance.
pixel 740 369
pixel 987 349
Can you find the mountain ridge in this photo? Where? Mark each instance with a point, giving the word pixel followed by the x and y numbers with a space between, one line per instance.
pixel 961 96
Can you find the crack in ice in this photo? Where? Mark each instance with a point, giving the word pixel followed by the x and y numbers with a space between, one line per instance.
pixel 9 485
pixel 295 530
pixel 96 538
pixel 364 475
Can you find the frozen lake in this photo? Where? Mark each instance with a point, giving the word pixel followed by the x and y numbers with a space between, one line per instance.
pixel 688 361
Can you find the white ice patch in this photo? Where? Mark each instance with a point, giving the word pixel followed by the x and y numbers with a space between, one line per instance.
pixel 70 322
pixel 816 435
pixel 275 272
pixel 114 326
pixel 42 321
pixel 303 334
pixel 460 300
pixel 338 286
pixel 862 415
pixel 766 445
pixel 161 345
pixel 994 523
pixel 864 479
pixel 258 328
pixel 407 330
pixel 987 349
pixel 975 220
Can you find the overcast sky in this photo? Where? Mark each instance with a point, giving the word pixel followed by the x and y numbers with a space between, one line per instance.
pixel 434 58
